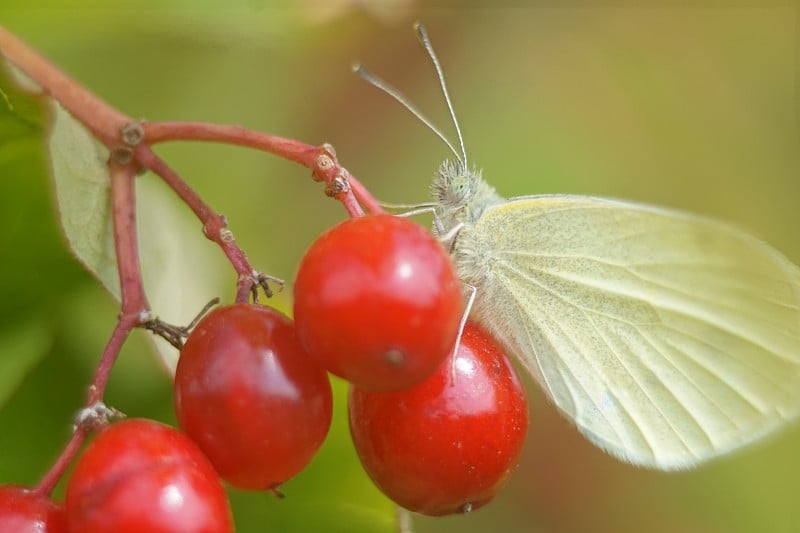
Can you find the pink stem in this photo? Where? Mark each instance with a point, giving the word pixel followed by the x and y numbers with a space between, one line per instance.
pixel 365 197
pixel 126 245
pixel 96 391
pixel 52 477
pixel 320 159
pixel 215 226
pixel 299 152
pixel 134 308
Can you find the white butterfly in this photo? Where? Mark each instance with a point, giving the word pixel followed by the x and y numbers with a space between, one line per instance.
pixel 668 338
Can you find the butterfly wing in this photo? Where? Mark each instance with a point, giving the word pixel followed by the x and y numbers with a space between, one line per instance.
pixel 668 338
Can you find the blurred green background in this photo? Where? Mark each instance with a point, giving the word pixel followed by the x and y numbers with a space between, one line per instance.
pixel 688 107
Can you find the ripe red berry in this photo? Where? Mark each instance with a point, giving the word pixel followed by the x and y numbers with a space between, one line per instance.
pixel 378 302
pixel 448 444
pixel 25 511
pixel 250 397
pixel 140 475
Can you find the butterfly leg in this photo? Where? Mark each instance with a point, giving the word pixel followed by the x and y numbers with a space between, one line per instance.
pixel 463 322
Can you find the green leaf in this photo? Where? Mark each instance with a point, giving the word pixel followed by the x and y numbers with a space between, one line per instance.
pixel 22 346
pixel 83 191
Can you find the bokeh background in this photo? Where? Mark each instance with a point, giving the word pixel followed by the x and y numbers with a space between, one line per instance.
pixel 691 105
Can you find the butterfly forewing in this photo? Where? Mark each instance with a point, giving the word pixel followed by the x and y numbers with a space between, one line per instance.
pixel 669 339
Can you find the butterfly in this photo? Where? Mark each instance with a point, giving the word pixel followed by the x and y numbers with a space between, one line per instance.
pixel 668 338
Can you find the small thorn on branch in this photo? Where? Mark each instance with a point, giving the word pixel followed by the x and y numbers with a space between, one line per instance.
pixel 175 335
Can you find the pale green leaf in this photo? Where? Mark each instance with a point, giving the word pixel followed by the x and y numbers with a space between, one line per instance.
pixel 83 192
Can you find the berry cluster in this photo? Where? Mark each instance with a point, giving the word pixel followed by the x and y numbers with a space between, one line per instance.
pixel 377 303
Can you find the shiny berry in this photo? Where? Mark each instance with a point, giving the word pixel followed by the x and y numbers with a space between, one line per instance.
pixel 450 443
pixel 250 397
pixel 25 511
pixel 142 476
pixel 377 302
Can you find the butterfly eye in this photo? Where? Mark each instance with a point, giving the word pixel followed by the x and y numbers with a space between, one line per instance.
pixel 458 190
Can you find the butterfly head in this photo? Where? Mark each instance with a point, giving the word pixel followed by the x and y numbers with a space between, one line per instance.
pixel 454 184
pixel 460 193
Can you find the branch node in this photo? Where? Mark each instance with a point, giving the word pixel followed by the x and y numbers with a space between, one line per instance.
pixel 226 235
pixel 122 155
pixel 324 164
pixel 132 133
pixel 95 416
pixel 339 184
pixel 328 147
pixel 144 316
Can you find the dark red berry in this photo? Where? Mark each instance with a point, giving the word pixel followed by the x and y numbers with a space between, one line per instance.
pixel 250 397
pixel 142 476
pixel 448 444
pixel 24 511
pixel 377 302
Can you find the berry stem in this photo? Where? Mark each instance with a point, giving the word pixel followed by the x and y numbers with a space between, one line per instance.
pixel 123 214
pixel 299 152
pixel 215 226
pixel 365 197
pixel 125 324
pixel 134 309
pixel 52 477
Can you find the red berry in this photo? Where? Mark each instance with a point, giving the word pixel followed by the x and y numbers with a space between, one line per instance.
pixel 247 393
pixel 25 511
pixel 378 302
pixel 448 444
pixel 140 475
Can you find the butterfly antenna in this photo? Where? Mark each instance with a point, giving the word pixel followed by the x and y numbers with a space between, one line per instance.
pixel 378 83
pixel 422 35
